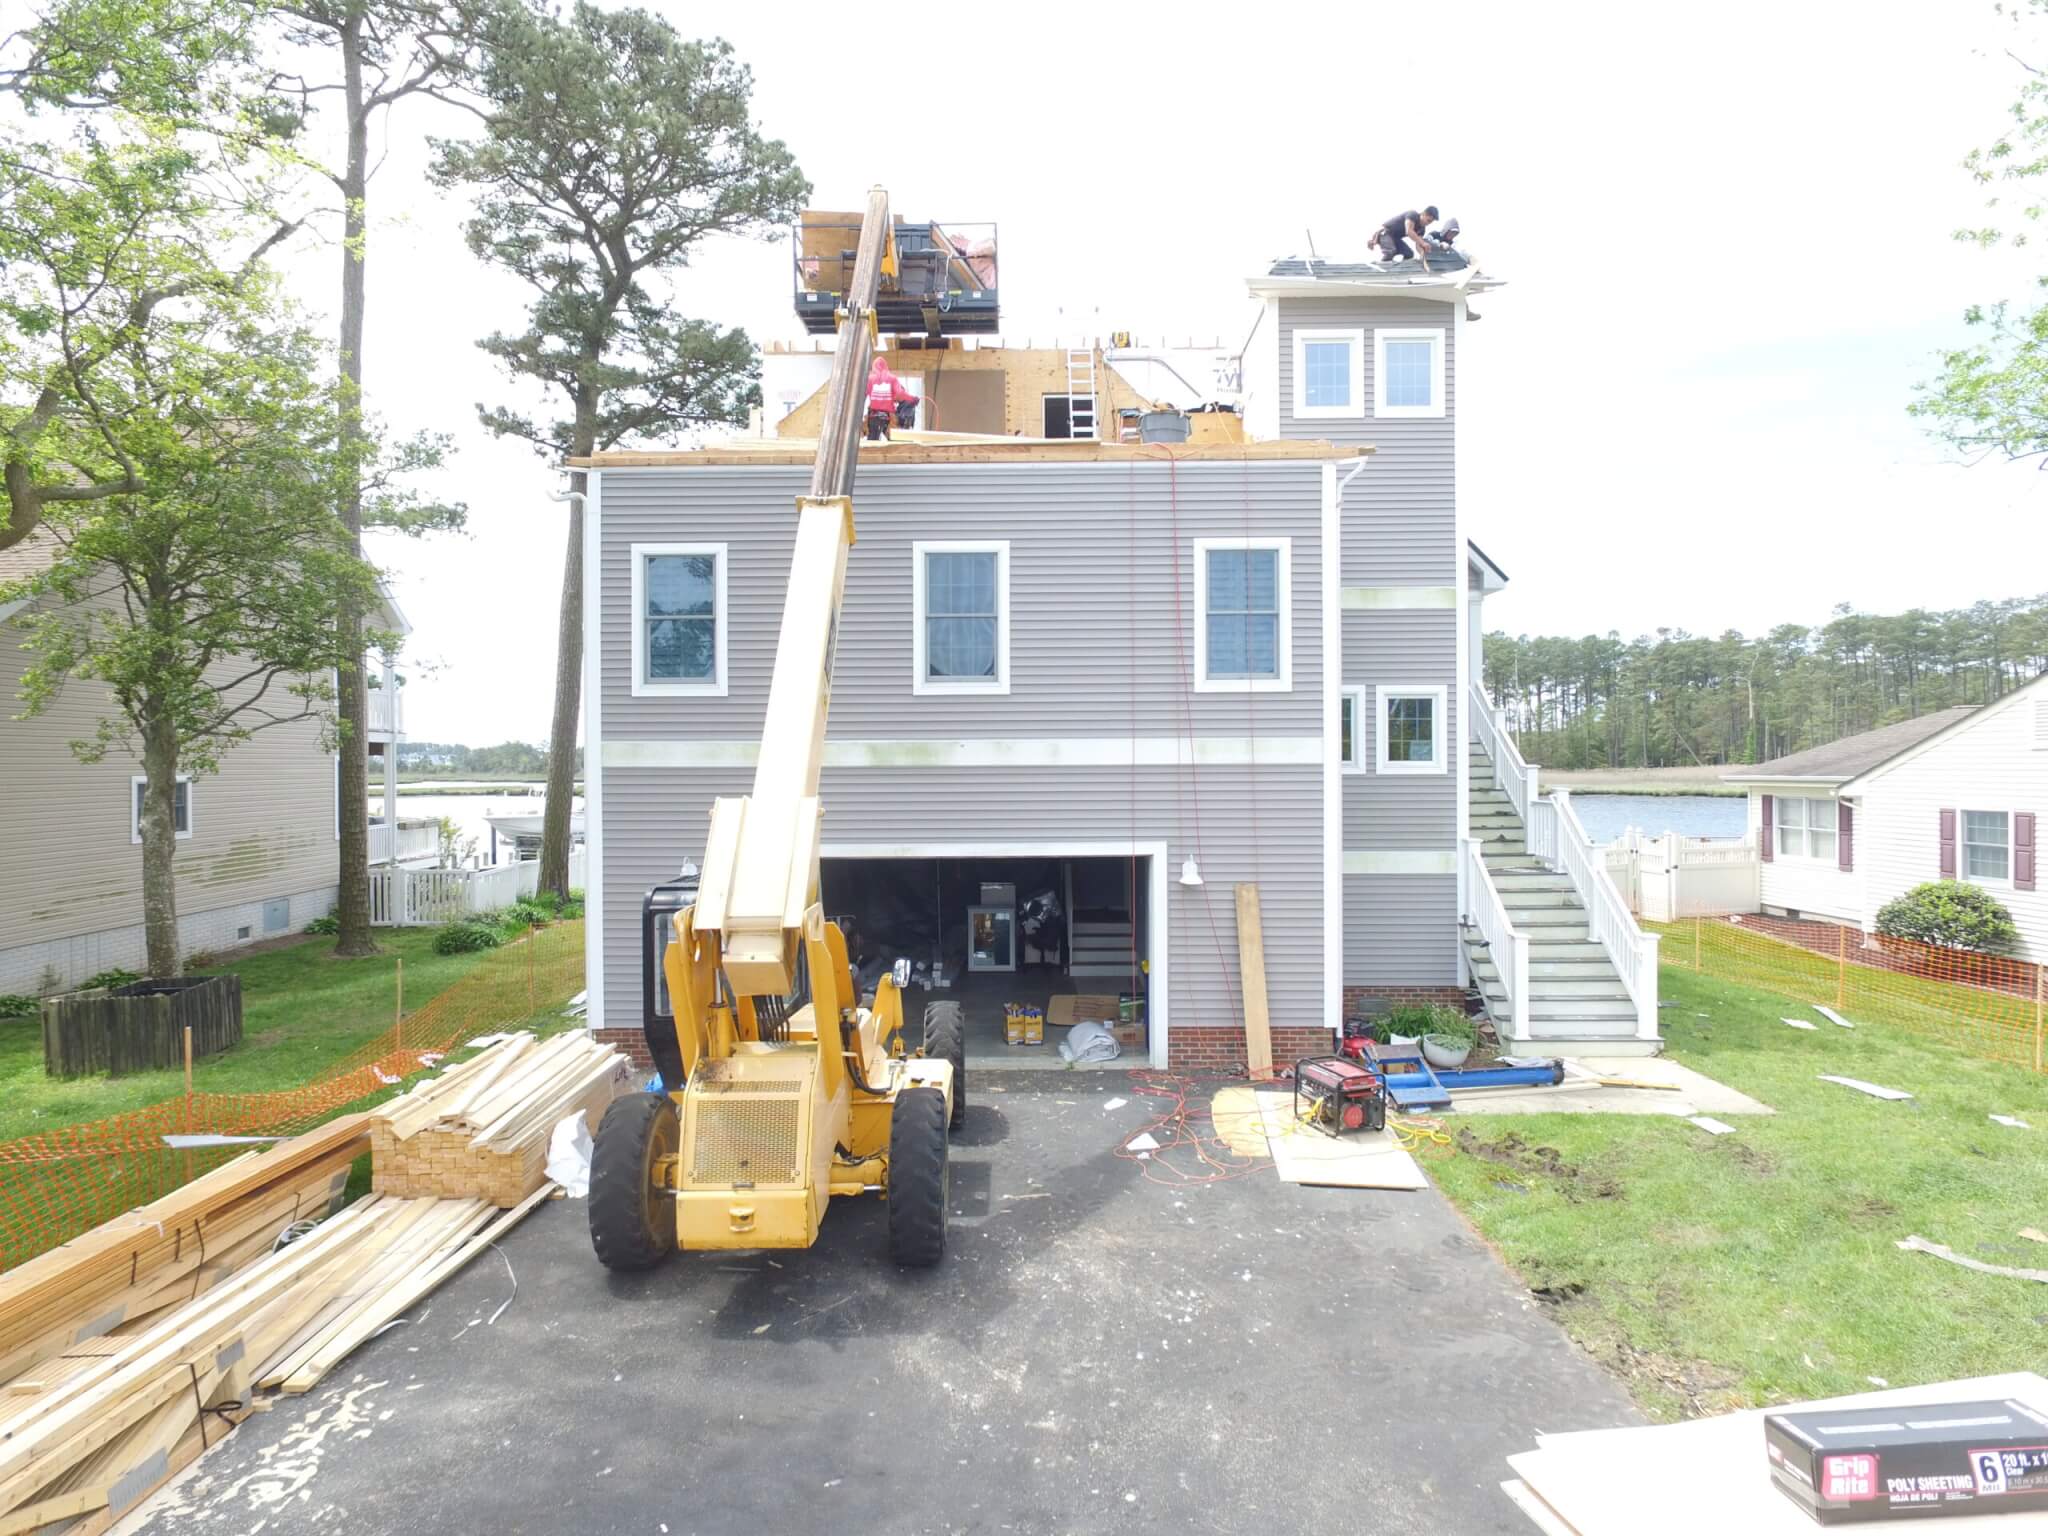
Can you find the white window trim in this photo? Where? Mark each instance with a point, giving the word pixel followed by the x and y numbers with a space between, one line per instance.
pixel 713 687
pixel 922 685
pixel 1354 410
pixel 136 781
pixel 1434 335
pixel 1963 874
pixel 1358 699
pixel 1385 694
pixel 1806 829
pixel 1284 683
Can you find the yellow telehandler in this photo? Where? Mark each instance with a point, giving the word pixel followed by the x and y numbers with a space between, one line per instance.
pixel 782 1087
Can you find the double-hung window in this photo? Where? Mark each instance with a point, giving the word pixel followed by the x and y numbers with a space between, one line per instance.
pixel 181 806
pixel 1329 373
pixel 679 620
pixel 1987 847
pixel 962 599
pixel 1410 734
pixel 1805 828
pixel 1408 372
pixel 1243 615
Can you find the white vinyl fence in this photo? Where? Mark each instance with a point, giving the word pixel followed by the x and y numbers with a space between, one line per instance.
pixel 1670 877
pixel 422 898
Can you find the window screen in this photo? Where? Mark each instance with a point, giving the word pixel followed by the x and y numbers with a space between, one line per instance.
pixel 1243 613
pixel 1326 373
pixel 1987 852
pixel 1410 373
pixel 682 617
pixel 960 614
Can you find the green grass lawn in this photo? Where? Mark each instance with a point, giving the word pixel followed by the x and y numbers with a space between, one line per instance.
pixel 1719 1271
pixel 302 1010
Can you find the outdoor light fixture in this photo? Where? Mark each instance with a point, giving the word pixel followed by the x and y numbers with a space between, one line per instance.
pixel 1189 874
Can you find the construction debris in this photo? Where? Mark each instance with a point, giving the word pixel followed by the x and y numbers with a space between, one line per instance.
pixel 1875 1091
pixel 481 1130
pixel 1942 1251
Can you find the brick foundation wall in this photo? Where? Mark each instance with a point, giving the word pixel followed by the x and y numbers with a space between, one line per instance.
pixel 1401 997
pixel 1220 1052
pixel 632 1041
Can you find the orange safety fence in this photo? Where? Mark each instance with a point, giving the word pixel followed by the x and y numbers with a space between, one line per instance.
pixel 59 1183
pixel 1992 1006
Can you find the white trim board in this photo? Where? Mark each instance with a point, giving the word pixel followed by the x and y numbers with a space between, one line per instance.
pixel 1331 556
pixel 1157 897
pixel 991 752
pixel 1400 861
pixel 593 748
pixel 1371 598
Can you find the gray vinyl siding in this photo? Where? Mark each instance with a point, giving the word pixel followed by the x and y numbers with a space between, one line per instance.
pixel 1400 521
pixel 1409 811
pixel 1102 609
pixel 1258 824
pixel 1101 562
pixel 1400 930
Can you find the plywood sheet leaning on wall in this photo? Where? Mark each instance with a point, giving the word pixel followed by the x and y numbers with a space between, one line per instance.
pixel 1251 962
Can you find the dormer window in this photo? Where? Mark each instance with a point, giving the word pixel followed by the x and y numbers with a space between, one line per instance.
pixel 1329 373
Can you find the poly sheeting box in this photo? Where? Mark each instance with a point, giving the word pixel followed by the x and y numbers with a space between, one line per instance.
pixel 1846 1464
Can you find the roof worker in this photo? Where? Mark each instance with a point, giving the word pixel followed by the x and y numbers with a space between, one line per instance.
pixel 1401 236
pixel 885 393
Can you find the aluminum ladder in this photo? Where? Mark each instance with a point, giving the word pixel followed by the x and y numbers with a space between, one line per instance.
pixel 1081 392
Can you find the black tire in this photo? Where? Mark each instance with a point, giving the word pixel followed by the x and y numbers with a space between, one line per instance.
pixel 632 1223
pixel 945 1036
pixel 917 1178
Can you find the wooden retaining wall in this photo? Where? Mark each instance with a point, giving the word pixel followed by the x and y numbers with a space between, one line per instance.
pixel 140 1027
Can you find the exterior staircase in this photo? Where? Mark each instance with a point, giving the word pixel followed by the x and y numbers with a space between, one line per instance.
pixel 1577 1002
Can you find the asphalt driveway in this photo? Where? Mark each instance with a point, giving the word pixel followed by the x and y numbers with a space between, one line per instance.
pixel 1098 1352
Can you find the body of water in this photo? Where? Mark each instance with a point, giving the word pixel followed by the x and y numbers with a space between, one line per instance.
pixel 468 813
pixel 1606 817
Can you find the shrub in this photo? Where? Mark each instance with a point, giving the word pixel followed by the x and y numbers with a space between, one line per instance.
pixel 114 978
pixel 1950 913
pixel 465 938
pixel 1451 1024
pixel 571 910
pixel 547 901
pixel 13 1005
pixel 524 914
pixel 328 924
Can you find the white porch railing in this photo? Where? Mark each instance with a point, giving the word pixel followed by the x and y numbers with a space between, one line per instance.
pixel 1632 951
pixel 1507 945
pixel 419 898
pixel 386 711
pixel 1509 771
pixel 413 838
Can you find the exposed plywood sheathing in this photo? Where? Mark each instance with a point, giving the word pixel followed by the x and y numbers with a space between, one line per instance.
pixel 972 451
pixel 1027 375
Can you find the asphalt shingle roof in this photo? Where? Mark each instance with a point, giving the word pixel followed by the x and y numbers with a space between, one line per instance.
pixel 1852 755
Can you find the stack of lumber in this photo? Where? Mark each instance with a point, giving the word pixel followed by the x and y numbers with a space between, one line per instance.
pixel 135 1266
pixel 480 1130
pixel 113 1419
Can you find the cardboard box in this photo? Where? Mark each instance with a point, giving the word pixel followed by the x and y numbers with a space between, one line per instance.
pixel 1855 1464
pixel 1129 1037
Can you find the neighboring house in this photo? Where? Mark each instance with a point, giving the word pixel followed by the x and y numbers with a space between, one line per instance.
pixel 1953 795
pixel 1122 676
pixel 256 853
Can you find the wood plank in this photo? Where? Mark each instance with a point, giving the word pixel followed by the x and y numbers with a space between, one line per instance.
pixel 793 451
pixel 1251 965
pixel 1368 1160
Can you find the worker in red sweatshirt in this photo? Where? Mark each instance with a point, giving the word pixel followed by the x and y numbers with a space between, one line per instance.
pixel 885 393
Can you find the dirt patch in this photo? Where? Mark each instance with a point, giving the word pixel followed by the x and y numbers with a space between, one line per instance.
pixel 1701 1389
pixel 1511 1151
pixel 1743 1155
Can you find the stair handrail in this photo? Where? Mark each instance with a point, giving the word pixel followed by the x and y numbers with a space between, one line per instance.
pixel 1613 927
pixel 1506 944
pixel 1490 728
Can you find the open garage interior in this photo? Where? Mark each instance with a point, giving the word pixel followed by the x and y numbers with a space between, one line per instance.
pixel 1068 937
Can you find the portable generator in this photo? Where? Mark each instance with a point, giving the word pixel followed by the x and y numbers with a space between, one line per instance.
pixel 1338 1096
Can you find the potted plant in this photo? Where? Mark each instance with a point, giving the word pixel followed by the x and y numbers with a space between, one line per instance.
pixel 1447 1039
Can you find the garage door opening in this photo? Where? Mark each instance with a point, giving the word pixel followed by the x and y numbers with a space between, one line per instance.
pixel 987 932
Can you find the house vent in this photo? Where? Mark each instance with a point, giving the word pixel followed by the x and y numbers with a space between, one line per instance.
pixel 242 932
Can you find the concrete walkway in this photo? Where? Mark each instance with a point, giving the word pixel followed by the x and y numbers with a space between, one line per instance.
pixel 1098 1352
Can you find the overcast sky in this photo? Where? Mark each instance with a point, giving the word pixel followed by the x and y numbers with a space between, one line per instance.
pixel 1725 232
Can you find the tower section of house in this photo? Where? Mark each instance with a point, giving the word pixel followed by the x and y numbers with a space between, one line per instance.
pixel 1091 671
pixel 1362 354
